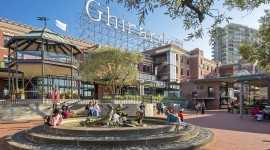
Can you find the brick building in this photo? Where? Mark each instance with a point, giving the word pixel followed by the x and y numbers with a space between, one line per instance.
pixel 168 70
pixel 176 67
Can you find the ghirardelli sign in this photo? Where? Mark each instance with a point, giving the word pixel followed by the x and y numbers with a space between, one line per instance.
pixel 96 14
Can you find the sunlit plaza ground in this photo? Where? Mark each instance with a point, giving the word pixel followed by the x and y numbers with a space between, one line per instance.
pixel 231 131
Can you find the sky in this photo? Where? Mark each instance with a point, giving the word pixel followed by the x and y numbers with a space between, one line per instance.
pixel 68 11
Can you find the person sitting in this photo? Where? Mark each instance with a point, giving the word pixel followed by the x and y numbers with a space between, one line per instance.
pixel 55 118
pixel 65 111
pixel 180 115
pixel 266 113
pixel 255 111
pixel 170 110
pixel 172 118
pixel 139 114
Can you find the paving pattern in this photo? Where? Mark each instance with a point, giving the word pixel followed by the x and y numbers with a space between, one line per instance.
pixel 19 140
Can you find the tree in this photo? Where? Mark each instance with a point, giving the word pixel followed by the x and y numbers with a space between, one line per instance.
pixel 193 12
pixel 259 51
pixel 113 66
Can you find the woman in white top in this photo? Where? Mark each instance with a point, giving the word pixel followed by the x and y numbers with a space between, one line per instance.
pixel 96 109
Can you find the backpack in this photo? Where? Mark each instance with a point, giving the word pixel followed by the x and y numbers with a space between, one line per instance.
pixel 46 119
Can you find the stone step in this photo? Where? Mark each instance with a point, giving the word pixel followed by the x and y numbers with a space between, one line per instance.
pixel 203 138
pixel 39 135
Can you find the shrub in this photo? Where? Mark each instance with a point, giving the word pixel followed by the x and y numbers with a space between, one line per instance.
pixel 107 98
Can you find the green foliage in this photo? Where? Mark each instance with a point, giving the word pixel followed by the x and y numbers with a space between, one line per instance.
pixel 21 90
pixel 192 13
pixel 112 66
pixel 259 52
pixel 118 97
pixel 107 97
pixel 158 97
pixel 68 92
pixel 2 64
pixel 63 93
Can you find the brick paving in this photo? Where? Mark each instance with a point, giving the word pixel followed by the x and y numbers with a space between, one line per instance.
pixel 10 127
pixel 231 131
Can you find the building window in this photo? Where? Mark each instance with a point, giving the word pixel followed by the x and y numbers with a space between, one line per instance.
pixel 210 92
pixel 215 70
pixel 144 68
pixel 182 60
pixel 182 71
pixel 6 38
pixel 176 57
pixel 201 61
pixel 211 68
pixel 203 66
pixel 187 72
pixel 148 69
pixel 177 69
pixel 188 61
pixel 207 67
pixel 201 72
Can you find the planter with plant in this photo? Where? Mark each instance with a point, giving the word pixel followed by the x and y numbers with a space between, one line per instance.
pixel 12 95
pixel 75 94
pixel 21 92
pixel 68 94
pixel 63 95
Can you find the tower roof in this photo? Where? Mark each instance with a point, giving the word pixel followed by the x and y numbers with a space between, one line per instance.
pixel 34 40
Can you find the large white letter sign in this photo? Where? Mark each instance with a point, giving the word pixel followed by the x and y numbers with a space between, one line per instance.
pixel 111 16
pixel 88 13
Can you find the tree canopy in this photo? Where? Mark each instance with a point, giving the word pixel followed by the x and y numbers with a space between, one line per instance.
pixel 259 51
pixel 112 66
pixel 192 12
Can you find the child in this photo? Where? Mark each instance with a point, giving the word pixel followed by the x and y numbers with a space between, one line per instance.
pixel 172 118
pixel 139 114
pixel 180 115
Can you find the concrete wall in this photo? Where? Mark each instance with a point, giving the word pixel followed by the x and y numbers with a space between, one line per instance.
pixel 38 111
pixel 24 111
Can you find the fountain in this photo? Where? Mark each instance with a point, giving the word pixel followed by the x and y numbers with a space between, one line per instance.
pixel 105 133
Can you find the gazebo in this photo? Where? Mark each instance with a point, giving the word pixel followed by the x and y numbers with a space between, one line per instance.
pixel 41 54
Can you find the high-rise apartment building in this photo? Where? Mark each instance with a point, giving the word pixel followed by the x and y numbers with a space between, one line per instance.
pixel 225 47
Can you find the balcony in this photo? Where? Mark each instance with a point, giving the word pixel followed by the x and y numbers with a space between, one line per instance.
pixel 37 55
pixel 147 77
pixel 164 78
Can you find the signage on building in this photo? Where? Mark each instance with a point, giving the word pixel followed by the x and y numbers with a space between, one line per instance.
pixel 96 14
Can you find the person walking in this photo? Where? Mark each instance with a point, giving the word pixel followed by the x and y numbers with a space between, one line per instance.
pixel 197 107
pixel 203 107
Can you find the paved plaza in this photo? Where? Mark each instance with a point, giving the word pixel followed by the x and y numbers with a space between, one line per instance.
pixel 231 132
